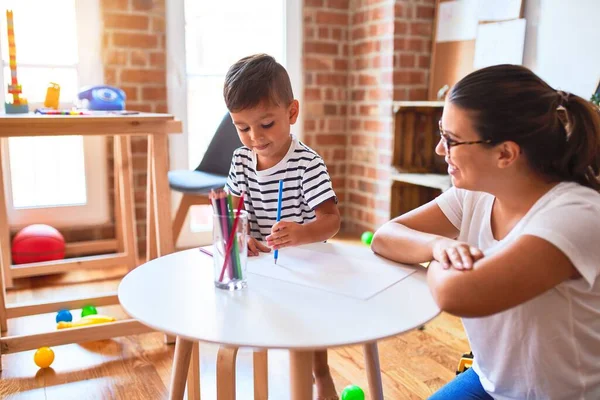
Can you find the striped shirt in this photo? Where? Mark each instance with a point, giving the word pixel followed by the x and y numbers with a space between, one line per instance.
pixel 306 184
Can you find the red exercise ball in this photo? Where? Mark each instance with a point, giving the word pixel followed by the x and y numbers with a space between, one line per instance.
pixel 36 243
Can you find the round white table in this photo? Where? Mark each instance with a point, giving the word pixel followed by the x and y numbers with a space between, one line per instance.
pixel 175 294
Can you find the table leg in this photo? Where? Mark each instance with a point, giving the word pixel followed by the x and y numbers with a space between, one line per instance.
pixel 373 370
pixel 5 257
pixel 161 191
pixel 125 200
pixel 301 383
pixel 181 364
pixel 261 375
pixel 150 215
pixel 226 373
pixel 193 382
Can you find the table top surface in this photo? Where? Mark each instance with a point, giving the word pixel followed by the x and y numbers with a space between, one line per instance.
pixel 175 294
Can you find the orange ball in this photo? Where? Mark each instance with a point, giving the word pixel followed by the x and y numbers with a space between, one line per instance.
pixel 43 357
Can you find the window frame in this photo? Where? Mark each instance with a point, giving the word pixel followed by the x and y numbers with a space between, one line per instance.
pixel 89 68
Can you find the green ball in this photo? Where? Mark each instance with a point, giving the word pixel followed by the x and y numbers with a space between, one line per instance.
pixel 353 392
pixel 367 238
pixel 88 310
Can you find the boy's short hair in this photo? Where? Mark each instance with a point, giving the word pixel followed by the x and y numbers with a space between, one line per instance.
pixel 255 79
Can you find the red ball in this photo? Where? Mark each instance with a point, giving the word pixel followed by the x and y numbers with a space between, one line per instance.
pixel 36 243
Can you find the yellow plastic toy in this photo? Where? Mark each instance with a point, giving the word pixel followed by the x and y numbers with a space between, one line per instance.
pixel 52 95
pixel 43 357
pixel 465 363
pixel 19 104
pixel 93 319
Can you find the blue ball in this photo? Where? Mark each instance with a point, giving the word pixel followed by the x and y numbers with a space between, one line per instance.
pixel 64 315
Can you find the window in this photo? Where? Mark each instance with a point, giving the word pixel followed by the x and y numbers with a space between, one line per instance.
pixel 55 180
pixel 243 28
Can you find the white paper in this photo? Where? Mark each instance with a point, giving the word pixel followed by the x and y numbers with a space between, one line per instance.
pixel 457 20
pixel 337 269
pixel 499 10
pixel 499 43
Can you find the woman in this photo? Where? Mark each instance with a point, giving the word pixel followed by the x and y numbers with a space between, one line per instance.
pixel 515 243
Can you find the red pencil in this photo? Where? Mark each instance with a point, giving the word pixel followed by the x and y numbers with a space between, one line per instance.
pixel 232 235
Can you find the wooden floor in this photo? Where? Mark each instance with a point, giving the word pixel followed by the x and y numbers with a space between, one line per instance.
pixel 414 365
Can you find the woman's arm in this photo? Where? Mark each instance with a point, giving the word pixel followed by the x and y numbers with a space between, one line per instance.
pixel 410 238
pixel 523 270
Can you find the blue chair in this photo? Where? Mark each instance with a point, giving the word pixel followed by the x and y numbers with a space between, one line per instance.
pixel 210 174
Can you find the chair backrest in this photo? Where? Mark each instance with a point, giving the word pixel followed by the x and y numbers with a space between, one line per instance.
pixel 217 158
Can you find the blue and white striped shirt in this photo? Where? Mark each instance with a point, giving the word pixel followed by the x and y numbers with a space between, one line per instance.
pixel 306 184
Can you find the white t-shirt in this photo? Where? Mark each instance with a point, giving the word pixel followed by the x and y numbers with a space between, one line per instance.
pixel 548 347
pixel 306 184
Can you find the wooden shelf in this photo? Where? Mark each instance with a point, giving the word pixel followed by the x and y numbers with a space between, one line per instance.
pixel 435 181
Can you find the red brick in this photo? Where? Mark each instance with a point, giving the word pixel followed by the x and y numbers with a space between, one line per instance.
pixel 309 125
pixel 110 76
pixel 313 3
pixel 359 140
pixel 365 80
pixel 338 34
pixel 359 33
pixel 358 95
pixel 400 94
pixel 409 77
pixel 406 60
pixel 321 48
pixel 336 124
pixel 330 109
pixel 126 22
pixel 359 199
pixel 323 33
pixel 317 63
pixel 340 65
pixel 131 92
pixel 161 108
pixel 380 94
pixel 339 155
pixel 329 94
pixel 416 44
pixel 424 61
pixel 154 93
pixel 312 94
pixel 143 76
pixel 135 40
pixel 417 94
pixel 158 59
pixel 331 140
pixel 332 18
pixel 379 13
pixel 309 33
pixel 372 126
pixel 360 17
pixel 144 5
pixel 400 44
pixel 421 29
pixel 399 9
pixel 338 4
pixel 357 170
pixel 331 79
pixel 115 5
pixel 425 12
pixel 115 57
pixel 400 27
pixel 369 110
pixel 138 57
pixel 158 24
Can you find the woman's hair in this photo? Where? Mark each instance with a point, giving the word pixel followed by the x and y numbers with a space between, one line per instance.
pixel 558 132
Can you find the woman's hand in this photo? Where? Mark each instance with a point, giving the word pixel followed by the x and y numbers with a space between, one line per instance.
pixel 254 247
pixel 455 254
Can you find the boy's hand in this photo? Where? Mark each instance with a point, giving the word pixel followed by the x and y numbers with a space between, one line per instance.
pixel 455 254
pixel 254 247
pixel 285 234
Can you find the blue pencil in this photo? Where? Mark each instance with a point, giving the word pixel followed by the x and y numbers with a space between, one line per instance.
pixel 279 211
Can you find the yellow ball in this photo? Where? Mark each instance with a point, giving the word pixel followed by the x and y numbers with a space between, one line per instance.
pixel 43 357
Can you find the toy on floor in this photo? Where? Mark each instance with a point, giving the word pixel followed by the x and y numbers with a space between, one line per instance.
pixel 93 319
pixel 43 357
pixel 52 95
pixel 367 238
pixel 64 316
pixel 353 392
pixel 19 104
pixel 88 310
pixel 36 243
pixel 465 363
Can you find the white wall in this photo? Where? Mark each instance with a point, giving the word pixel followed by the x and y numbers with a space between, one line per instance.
pixel 562 43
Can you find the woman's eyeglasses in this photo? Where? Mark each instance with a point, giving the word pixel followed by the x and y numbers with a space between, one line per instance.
pixel 449 142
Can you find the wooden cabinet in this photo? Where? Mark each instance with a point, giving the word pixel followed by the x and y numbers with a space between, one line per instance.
pixel 419 175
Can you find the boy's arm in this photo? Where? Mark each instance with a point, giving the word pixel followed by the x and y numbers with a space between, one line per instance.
pixel 325 226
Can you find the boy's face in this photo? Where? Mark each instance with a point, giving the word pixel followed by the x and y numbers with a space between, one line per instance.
pixel 265 129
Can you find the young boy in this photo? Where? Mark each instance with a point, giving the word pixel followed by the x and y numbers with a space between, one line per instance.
pixel 259 97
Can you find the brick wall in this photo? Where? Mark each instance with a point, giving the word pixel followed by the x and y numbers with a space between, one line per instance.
pixel 388 46
pixel 326 57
